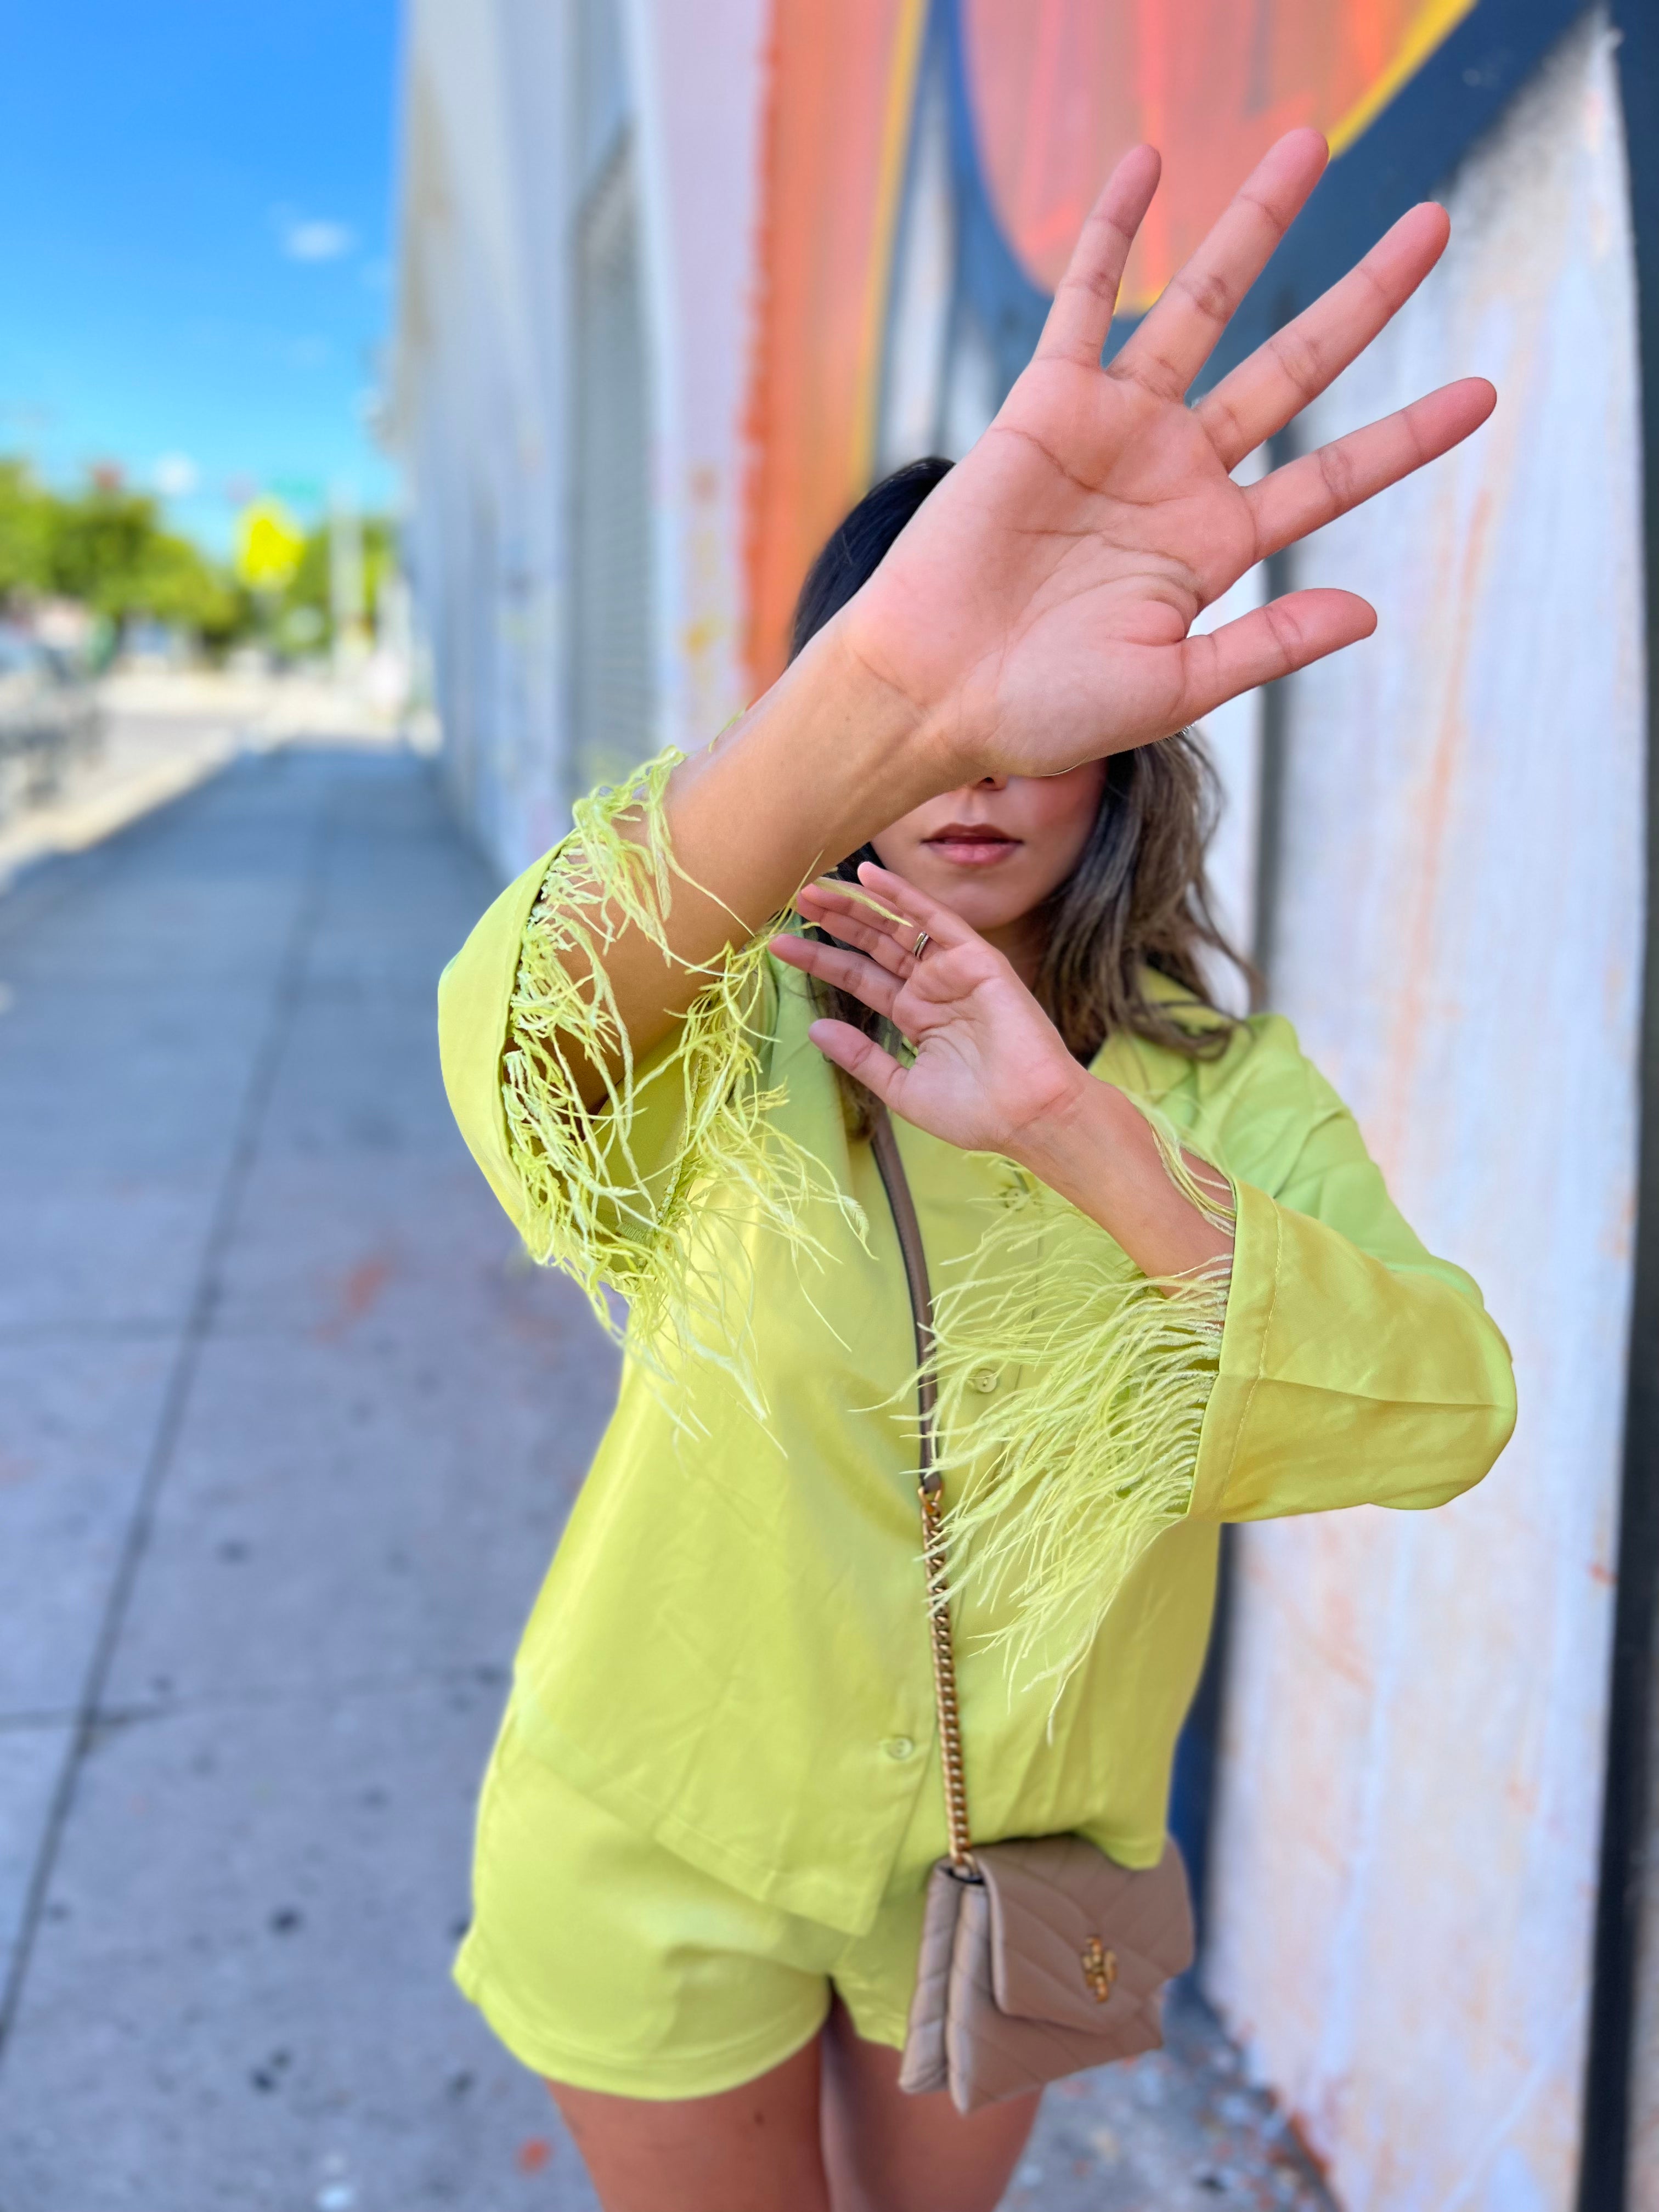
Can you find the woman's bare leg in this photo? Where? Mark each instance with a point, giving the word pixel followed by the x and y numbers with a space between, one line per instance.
pixel 750 2149
pixel 888 2152
pixel 765 2146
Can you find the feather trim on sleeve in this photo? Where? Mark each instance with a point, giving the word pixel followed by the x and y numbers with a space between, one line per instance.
pixel 1059 1486
pixel 649 1193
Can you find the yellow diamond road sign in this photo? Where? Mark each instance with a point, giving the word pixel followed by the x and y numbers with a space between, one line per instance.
pixel 269 543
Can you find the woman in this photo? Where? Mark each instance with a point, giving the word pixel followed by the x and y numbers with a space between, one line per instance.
pixel 1171 1289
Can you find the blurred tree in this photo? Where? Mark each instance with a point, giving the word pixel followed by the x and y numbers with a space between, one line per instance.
pixel 104 546
pixel 25 530
pixel 109 551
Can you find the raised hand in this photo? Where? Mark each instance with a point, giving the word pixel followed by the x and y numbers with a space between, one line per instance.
pixel 1035 612
pixel 991 1072
pixel 989 1067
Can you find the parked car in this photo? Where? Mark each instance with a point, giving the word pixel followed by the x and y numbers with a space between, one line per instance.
pixel 48 718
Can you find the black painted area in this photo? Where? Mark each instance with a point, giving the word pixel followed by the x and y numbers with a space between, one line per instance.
pixel 992 288
pixel 1405 155
pixel 1604 2172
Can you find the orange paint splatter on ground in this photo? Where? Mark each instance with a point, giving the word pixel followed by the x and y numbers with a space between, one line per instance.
pixel 533 2154
pixel 360 1288
pixel 362 1285
pixel 1297 2125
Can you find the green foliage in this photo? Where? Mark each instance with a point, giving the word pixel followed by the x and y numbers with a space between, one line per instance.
pixel 25 530
pixel 107 547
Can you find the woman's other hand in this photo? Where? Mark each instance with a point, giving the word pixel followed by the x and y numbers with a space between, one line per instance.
pixel 990 1071
pixel 989 1065
pixel 1035 612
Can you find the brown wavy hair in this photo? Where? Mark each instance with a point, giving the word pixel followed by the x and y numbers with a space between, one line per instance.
pixel 1138 900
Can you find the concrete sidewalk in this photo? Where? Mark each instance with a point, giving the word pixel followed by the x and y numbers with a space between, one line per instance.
pixel 286 1432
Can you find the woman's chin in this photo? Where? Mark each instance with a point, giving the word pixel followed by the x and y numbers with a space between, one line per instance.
pixel 983 907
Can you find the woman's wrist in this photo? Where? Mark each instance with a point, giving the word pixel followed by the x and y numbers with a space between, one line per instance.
pixel 840 750
pixel 1096 1149
pixel 1071 1140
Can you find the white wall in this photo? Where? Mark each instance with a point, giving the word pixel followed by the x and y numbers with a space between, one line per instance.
pixel 496 147
pixel 479 398
pixel 699 105
pixel 1405 1869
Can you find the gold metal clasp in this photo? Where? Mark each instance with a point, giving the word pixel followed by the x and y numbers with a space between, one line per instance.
pixel 1099 1969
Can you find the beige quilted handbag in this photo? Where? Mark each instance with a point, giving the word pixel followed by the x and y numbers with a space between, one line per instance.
pixel 1040 1955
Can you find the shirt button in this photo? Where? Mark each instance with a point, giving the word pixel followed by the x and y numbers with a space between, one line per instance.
pixel 899 1747
pixel 984 1380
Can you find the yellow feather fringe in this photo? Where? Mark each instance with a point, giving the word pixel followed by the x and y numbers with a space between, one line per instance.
pixel 1059 1486
pixel 669 1240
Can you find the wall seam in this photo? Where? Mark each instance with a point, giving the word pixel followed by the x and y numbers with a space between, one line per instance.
pixel 1605 2154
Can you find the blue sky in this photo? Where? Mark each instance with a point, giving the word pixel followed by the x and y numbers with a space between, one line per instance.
pixel 195 273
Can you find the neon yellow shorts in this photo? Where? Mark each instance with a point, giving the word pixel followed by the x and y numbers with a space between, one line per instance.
pixel 605 1961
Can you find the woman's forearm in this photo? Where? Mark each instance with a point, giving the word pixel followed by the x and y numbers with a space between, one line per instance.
pixel 1097 1151
pixel 828 757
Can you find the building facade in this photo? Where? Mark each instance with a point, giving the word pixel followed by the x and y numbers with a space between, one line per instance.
pixel 676 284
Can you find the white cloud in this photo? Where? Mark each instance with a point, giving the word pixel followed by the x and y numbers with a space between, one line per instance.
pixel 314 238
pixel 175 476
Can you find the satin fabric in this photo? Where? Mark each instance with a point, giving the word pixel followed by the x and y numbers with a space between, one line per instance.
pixel 729 1653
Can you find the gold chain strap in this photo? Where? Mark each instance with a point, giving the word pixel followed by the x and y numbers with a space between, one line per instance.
pixel 944 1679
pixel 929 1485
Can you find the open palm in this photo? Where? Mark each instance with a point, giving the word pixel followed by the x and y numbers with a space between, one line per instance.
pixel 1035 612
pixel 988 1064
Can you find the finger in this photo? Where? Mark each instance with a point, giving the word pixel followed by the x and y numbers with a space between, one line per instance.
pixel 878 943
pixel 1306 494
pixel 846 971
pixel 887 938
pixel 830 896
pixel 1255 400
pixel 941 924
pixel 1081 315
pixel 862 1057
pixel 1178 334
pixel 838 901
pixel 1269 642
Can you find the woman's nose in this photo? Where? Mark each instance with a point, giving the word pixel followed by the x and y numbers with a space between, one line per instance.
pixel 992 783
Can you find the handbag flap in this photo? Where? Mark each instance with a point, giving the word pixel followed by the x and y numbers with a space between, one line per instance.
pixel 1074 1936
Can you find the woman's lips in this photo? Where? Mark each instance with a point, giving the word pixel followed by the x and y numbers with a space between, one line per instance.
pixel 969 848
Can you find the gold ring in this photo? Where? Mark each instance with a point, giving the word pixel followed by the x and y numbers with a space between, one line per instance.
pixel 920 946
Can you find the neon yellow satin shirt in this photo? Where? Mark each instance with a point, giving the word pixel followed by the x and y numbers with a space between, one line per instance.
pixel 730 1650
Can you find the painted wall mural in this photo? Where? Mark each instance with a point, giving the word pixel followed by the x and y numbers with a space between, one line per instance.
pixel 1059 90
pixel 1042 99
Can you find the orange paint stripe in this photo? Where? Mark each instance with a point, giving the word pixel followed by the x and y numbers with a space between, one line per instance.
pixel 1434 25
pixel 841 91
pixel 1210 82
